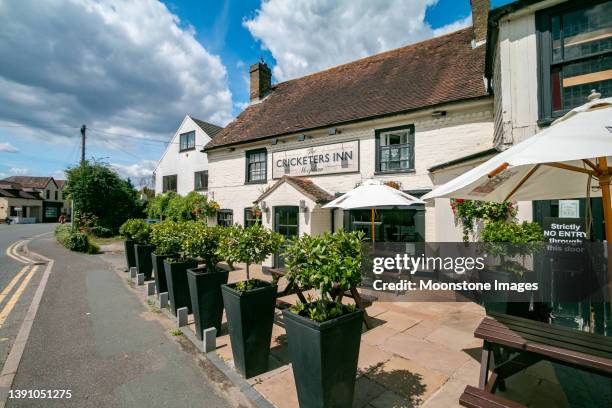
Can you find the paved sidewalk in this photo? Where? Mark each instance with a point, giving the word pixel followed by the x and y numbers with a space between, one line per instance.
pixel 418 354
pixel 93 336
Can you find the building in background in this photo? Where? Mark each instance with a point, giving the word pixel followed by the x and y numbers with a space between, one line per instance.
pixel 543 59
pixel 392 116
pixel 183 168
pixel 16 203
pixel 50 192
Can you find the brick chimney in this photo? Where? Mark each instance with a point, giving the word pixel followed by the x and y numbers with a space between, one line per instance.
pixel 480 15
pixel 261 80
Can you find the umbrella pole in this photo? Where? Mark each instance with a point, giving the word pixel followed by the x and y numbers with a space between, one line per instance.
pixel 604 183
pixel 372 224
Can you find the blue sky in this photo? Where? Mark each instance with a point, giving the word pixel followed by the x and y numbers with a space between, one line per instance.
pixel 132 71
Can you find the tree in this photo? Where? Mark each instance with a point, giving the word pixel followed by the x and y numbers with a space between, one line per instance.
pixel 96 189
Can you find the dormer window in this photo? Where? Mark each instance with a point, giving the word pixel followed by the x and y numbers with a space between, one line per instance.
pixel 187 141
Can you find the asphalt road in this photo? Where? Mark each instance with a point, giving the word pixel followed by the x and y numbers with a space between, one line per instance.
pixel 94 337
pixel 16 289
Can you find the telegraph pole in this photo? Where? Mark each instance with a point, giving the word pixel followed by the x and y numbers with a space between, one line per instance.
pixel 83 130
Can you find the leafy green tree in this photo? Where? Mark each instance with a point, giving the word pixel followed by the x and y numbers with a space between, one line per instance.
pixel 96 189
pixel 136 229
pixel 251 245
pixel 167 236
pixel 201 241
pixel 156 207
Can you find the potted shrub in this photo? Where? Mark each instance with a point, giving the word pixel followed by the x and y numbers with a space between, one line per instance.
pixel 202 242
pixel 324 335
pixel 512 243
pixel 139 231
pixel 128 245
pixel 250 304
pixel 176 270
pixel 166 236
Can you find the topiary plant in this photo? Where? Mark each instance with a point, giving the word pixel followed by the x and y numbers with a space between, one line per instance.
pixel 251 245
pixel 167 236
pixel 201 241
pixel 330 263
pixel 137 230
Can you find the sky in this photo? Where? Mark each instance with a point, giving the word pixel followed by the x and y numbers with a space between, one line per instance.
pixel 131 70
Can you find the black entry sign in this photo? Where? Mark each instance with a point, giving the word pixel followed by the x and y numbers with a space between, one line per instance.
pixel 564 230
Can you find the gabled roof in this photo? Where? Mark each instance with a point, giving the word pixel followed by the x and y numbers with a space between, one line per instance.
pixel 440 70
pixel 305 186
pixel 31 182
pixel 60 184
pixel 210 129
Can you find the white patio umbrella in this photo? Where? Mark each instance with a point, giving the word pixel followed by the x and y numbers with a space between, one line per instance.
pixel 557 163
pixel 373 194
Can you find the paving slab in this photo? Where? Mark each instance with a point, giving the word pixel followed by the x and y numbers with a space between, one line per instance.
pixel 280 390
pixel 407 378
pixel 427 354
pixel 397 321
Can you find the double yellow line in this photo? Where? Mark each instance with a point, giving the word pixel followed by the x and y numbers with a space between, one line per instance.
pixel 28 271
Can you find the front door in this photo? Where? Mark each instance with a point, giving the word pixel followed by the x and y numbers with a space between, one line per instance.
pixel 286 222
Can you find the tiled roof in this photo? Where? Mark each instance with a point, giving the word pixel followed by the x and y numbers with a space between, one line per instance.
pixel 30 182
pixel 14 193
pixel 210 129
pixel 305 186
pixel 60 184
pixel 439 70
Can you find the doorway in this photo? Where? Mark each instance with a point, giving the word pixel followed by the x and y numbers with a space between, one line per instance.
pixel 286 222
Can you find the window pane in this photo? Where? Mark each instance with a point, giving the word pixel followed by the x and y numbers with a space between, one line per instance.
pixel 587 31
pixel 556 38
pixel 579 78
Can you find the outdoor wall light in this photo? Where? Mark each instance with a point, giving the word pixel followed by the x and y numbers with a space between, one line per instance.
pixel 303 207
pixel 333 131
pixel 275 141
pixel 264 207
pixel 301 137
pixel 438 113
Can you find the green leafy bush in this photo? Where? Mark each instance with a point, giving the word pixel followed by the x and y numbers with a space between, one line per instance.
pixel 167 236
pixel 468 212
pixel 202 242
pixel 330 263
pixel 194 206
pixel 156 206
pixel 75 240
pixel 97 190
pixel 514 233
pixel 101 232
pixel 137 230
pixel 251 245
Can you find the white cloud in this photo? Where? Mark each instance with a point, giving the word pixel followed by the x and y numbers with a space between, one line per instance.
pixel 129 65
pixel 18 171
pixel 306 36
pixel 137 170
pixel 454 26
pixel 6 147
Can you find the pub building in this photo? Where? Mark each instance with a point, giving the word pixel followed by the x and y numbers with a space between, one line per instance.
pixel 412 117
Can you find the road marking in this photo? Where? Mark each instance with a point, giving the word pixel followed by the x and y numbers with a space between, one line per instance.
pixel 14 357
pixel 8 308
pixel 12 283
pixel 10 251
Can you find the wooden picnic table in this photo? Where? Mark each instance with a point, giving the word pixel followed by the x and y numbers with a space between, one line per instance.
pixel 361 301
pixel 529 342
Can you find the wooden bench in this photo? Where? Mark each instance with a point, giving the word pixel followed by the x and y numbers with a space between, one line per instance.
pixel 473 397
pixel 538 341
